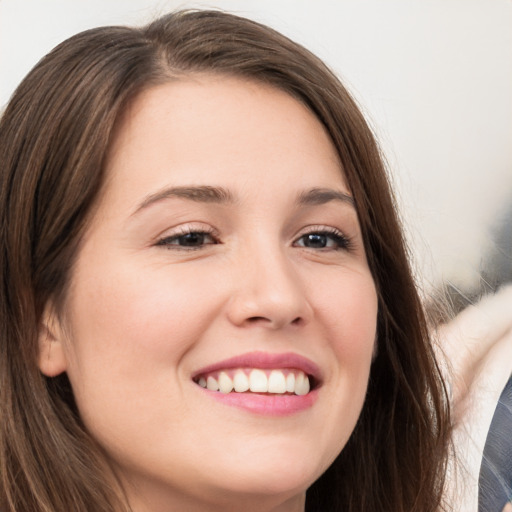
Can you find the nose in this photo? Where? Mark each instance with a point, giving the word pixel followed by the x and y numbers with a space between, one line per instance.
pixel 268 292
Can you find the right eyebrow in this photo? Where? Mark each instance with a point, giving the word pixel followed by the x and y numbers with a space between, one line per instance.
pixel 200 194
pixel 318 196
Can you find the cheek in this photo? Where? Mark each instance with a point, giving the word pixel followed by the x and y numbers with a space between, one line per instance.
pixel 126 309
pixel 129 331
pixel 356 324
pixel 347 307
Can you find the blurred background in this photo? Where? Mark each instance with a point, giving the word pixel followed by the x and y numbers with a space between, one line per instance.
pixel 434 78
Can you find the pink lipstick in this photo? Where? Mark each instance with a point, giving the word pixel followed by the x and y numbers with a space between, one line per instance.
pixel 262 383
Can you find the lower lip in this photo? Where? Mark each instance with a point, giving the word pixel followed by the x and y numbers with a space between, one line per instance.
pixel 265 404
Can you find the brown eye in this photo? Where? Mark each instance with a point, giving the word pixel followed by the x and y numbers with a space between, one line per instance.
pixel 193 240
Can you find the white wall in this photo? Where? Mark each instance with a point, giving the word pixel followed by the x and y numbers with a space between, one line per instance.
pixel 434 77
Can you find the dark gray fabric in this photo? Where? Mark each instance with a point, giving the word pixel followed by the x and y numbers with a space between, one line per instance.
pixel 495 482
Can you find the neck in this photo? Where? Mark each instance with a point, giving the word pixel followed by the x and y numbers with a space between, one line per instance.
pixel 170 502
pixel 148 497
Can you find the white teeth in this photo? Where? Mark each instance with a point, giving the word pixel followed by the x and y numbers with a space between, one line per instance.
pixel 301 384
pixel 211 384
pixel 299 379
pixel 290 383
pixel 225 383
pixel 241 382
pixel 277 382
pixel 258 382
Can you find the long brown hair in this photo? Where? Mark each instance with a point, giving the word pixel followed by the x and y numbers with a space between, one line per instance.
pixel 54 137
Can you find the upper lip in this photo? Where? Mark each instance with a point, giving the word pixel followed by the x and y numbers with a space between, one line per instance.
pixel 265 360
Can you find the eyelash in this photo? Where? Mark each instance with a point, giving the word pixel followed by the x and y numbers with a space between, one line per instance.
pixel 341 241
pixel 167 241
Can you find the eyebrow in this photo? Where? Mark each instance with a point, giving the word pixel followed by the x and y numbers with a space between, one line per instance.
pixel 318 196
pixel 200 194
pixel 220 195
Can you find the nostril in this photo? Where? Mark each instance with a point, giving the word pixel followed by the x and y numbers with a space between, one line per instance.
pixel 257 319
pixel 274 322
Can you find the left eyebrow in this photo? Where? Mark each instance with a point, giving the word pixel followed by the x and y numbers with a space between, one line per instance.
pixel 200 194
pixel 318 196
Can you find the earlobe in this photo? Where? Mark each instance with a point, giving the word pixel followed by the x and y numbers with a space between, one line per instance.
pixel 52 360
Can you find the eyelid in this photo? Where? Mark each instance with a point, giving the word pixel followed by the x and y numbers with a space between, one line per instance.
pixel 347 241
pixel 182 230
pixel 341 239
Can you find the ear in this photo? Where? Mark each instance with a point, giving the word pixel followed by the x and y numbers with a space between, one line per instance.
pixel 52 359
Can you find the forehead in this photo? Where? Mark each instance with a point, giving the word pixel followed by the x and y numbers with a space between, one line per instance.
pixel 223 131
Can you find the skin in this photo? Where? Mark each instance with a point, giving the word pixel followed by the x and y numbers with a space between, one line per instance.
pixel 144 312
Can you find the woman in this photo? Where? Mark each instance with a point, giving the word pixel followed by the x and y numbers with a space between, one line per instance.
pixel 206 300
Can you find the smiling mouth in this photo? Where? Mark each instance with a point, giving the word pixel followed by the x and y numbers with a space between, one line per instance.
pixel 256 380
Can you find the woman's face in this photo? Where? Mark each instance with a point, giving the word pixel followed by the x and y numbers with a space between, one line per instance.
pixel 225 251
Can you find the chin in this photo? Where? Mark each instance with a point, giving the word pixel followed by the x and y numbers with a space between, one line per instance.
pixel 283 476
